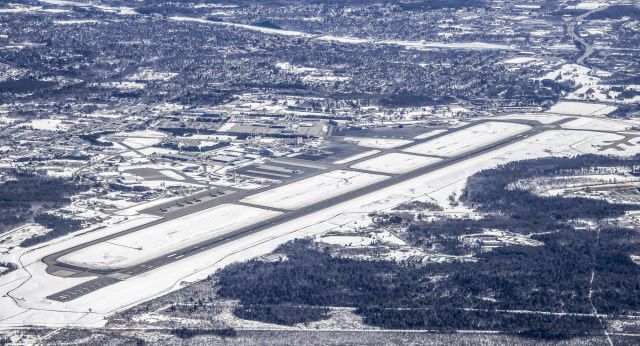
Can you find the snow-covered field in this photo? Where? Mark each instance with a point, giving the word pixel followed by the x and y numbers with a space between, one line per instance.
pixel 47 124
pixel 587 5
pixel 596 124
pixel 430 134
pixel 589 84
pixel 315 189
pixel 167 237
pixel 581 108
pixel 395 163
pixel 542 118
pixel 12 239
pixel 356 157
pixel 378 143
pixel 468 139
pixel 140 139
pixel 521 60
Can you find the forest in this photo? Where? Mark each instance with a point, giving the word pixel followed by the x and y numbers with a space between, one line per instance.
pixel 466 295
pixel 58 227
pixel 26 196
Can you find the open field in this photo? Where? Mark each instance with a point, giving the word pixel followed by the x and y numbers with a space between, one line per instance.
pixel 468 139
pixel 395 163
pixel 356 157
pixel 378 143
pixel 314 189
pixel 596 124
pixel 581 108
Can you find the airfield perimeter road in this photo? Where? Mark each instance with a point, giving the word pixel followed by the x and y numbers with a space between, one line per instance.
pixel 108 277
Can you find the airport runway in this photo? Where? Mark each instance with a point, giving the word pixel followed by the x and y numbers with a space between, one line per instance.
pixel 108 277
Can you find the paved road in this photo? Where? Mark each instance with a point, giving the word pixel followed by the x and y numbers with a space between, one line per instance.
pixel 118 274
pixel 572 31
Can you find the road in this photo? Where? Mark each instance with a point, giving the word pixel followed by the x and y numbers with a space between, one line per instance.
pixel 572 31
pixel 107 277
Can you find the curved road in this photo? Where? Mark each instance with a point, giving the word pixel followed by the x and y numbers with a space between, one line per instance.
pixel 572 27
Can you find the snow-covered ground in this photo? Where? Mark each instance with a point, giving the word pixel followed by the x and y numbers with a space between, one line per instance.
pixel 589 84
pixel 23 292
pixel 356 157
pixel 542 118
pixel 521 60
pixel 151 75
pixel 86 4
pixel 375 244
pixel 76 21
pixel 46 124
pixel 378 143
pixel 430 134
pixel 167 237
pixel 140 139
pixel 585 185
pixel 395 163
pixel 120 85
pixel 581 108
pixel 315 189
pixel 596 124
pixel 468 139
pixel 12 239
pixel 587 5
pixel 157 151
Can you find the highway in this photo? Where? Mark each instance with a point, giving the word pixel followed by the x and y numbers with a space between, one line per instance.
pixel 572 31
pixel 107 277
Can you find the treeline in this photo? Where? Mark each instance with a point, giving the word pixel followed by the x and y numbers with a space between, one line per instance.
pixel 444 319
pixel 419 205
pixel 422 5
pixel 282 313
pixel 24 85
pixel 551 278
pixel 92 138
pixel 188 333
pixel 28 194
pixel 60 226
pixel 487 190
pixel 8 267
pixel 616 286
pixel 79 157
pixel 443 235
pixel 127 188
pixel 554 277
pixel 616 12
